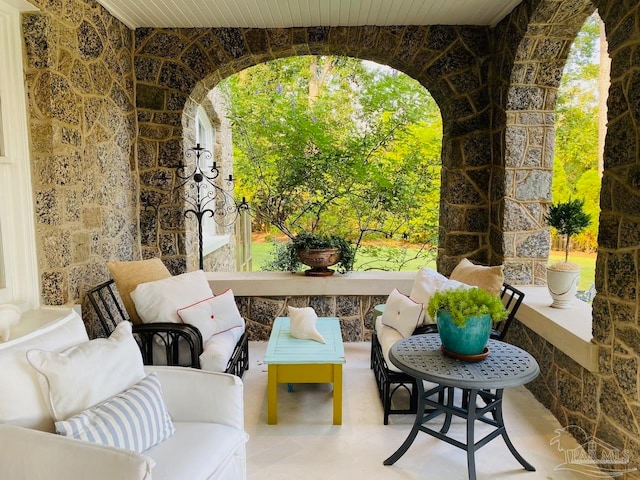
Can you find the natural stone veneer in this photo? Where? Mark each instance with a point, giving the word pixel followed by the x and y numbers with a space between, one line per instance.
pixel 355 313
pixel 79 77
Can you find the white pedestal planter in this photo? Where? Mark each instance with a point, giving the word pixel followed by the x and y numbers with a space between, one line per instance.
pixel 563 285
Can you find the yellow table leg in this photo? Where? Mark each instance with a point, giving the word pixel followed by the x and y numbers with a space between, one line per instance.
pixel 337 394
pixel 272 395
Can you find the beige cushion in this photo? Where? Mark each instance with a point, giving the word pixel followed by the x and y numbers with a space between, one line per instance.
pixel 128 275
pixel 303 324
pixel 88 373
pixel 487 278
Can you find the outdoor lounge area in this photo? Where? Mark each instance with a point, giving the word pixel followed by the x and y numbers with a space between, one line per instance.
pixel 98 107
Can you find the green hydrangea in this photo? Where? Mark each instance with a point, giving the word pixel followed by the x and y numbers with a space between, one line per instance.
pixel 463 303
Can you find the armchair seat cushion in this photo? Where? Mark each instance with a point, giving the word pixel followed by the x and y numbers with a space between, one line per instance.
pixel 198 451
pixel 387 336
pixel 218 349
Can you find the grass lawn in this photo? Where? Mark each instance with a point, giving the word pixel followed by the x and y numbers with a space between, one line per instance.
pixel 587 261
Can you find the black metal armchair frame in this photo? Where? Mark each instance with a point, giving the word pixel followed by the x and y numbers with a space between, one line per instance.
pixel 107 304
pixel 389 382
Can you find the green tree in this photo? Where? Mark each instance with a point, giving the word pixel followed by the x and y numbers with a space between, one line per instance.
pixel 576 147
pixel 335 145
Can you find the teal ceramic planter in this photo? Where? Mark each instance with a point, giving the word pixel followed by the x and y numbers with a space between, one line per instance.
pixel 468 340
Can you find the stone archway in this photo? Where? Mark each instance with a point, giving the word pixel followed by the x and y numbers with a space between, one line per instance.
pixel 175 68
pixel 535 63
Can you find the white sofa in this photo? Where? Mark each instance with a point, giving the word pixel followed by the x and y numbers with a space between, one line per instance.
pixel 206 409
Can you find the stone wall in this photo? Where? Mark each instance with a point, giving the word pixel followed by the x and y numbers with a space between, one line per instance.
pixel 79 81
pixel 354 311
pixel 604 405
pixel 532 46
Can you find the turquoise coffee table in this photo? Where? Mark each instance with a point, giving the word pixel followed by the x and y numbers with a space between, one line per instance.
pixel 292 360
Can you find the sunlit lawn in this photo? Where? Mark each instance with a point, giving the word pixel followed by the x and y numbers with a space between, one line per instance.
pixel 260 252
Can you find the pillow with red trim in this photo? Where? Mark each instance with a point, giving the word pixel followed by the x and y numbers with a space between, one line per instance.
pixel 213 315
pixel 401 313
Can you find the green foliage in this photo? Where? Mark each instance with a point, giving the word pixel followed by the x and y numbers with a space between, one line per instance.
pixel 332 145
pixel 285 256
pixel 568 218
pixel 463 303
pixel 575 166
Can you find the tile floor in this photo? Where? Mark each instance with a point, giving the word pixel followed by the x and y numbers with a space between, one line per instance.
pixel 305 445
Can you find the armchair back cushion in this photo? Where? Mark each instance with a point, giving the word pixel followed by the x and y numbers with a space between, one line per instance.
pixel 159 301
pixel 487 278
pixel 21 399
pixel 89 373
pixel 128 275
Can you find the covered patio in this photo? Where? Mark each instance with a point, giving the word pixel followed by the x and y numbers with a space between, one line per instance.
pixel 111 108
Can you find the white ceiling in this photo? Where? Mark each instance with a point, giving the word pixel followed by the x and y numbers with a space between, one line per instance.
pixel 305 13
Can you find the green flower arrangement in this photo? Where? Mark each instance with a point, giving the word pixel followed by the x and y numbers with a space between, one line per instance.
pixel 463 303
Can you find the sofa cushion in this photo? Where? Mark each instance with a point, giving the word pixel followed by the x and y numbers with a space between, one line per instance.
pixel 387 336
pixel 196 451
pixel 21 399
pixel 128 275
pixel 213 315
pixel 135 419
pixel 218 349
pixel 159 301
pixel 401 313
pixel 88 373
pixel 487 278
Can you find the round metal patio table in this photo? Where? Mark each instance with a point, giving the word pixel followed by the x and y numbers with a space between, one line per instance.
pixel 506 365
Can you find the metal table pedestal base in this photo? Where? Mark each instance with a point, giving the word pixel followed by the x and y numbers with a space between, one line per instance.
pixel 468 410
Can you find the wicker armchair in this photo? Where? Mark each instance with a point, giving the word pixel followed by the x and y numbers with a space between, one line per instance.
pixel 177 344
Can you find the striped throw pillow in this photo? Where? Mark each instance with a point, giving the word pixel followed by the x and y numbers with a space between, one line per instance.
pixel 136 419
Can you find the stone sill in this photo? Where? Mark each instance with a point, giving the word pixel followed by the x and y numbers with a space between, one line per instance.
pixel 283 284
pixel 568 330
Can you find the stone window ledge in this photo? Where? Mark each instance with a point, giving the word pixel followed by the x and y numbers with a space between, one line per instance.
pixel 568 330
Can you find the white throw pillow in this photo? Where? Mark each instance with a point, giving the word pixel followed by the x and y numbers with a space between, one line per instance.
pixel 136 419
pixel 401 313
pixel 21 399
pixel 88 373
pixel 213 315
pixel 160 300
pixel 426 283
pixel 303 324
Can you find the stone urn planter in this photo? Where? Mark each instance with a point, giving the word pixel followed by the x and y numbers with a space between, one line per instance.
pixel 319 259
pixel 562 282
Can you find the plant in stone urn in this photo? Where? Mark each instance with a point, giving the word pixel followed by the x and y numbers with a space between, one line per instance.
pixel 568 218
pixel 316 251
pixel 465 317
